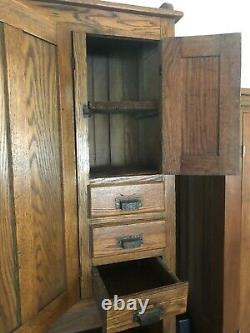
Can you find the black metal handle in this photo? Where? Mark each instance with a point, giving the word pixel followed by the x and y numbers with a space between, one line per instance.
pixel 128 203
pixel 131 242
pixel 149 317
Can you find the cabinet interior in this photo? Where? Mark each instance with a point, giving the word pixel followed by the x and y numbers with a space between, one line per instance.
pixel 123 94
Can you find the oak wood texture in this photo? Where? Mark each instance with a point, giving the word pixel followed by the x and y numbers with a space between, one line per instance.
pixel 36 170
pixel 80 93
pixel 103 199
pixel 144 279
pixel 232 254
pixel 82 316
pixel 66 101
pixel 9 293
pixel 150 11
pixel 199 75
pixel 208 250
pixel 200 235
pixel 105 239
pixel 123 106
pixel 46 228
pixel 245 232
pixel 106 22
pixel 128 256
pixel 118 136
pixel 169 325
pixel 25 16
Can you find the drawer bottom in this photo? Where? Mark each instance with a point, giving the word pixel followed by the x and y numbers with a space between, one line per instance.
pixel 155 328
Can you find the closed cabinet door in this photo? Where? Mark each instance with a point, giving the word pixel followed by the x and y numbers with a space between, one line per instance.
pixel 201 105
pixel 39 261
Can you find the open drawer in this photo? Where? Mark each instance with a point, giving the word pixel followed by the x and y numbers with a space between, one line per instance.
pixel 146 279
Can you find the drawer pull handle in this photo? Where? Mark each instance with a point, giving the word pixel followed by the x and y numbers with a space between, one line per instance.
pixel 131 242
pixel 149 317
pixel 128 204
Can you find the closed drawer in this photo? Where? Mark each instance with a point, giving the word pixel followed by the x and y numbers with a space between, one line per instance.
pixel 143 280
pixel 126 199
pixel 125 238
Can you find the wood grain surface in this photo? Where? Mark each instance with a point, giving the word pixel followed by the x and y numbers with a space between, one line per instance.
pixel 37 170
pixel 80 93
pixel 169 292
pixel 107 22
pixel 25 16
pixel 199 73
pixel 105 239
pixel 151 11
pixel 9 293
pixel 103 198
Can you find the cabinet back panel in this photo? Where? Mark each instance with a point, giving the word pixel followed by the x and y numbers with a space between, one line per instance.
pixel 115 74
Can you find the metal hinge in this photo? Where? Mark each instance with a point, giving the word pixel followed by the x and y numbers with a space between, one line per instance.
pixel 86 111
pixel 243 151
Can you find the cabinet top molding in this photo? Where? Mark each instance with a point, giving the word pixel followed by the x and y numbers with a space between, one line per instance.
pixel 166 10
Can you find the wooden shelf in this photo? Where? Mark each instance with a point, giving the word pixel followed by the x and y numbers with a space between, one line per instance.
pixel 105 172
pixel 123 106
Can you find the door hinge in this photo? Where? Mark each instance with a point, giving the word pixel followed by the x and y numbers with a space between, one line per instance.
pixel 243 151
pixel 87 111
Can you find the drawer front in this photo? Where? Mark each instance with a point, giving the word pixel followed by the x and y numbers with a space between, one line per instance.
pixel 120 239
pixel 126 199
pixel 164 303
pixel 146 280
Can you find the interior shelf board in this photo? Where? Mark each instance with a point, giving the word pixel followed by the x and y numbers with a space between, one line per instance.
pixel 103 172
pixel 123 106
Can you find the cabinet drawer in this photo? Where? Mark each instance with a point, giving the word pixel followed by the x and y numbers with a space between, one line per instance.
pixel 126 199
pixel 145 279
pixel 125 238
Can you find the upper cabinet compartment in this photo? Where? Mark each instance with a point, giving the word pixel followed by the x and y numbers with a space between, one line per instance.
pixel 201 105
pixel 123 94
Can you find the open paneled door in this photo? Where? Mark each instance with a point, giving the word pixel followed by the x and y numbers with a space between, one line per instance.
pixel 201 105
pixel 39 261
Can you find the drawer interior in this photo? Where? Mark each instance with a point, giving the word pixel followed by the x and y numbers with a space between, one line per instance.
pixel 135 276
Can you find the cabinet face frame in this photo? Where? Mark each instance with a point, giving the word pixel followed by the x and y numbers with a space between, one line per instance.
pixel 77 37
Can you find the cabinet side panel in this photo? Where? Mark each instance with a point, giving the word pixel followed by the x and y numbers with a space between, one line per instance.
pixel 245 233
pixel 9 308
pixel 200 248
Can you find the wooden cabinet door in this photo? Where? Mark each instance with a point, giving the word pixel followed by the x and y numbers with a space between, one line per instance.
pixel 201 105
pixel 245 223
pixel 39 258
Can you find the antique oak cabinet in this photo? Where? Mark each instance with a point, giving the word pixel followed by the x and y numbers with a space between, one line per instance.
pixel 119 169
